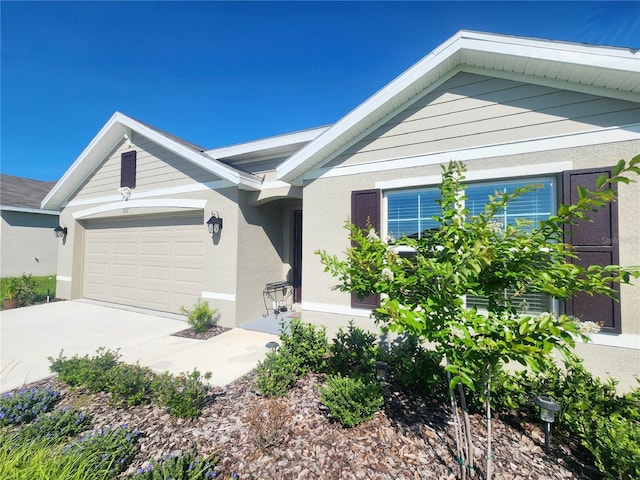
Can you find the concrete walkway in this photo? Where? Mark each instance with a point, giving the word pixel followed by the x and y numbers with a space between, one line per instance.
pixel 29 335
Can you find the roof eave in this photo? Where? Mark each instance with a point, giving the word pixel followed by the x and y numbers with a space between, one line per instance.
pixel 443 59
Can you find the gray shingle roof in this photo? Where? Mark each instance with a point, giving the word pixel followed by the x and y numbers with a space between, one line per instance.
pixel 22 192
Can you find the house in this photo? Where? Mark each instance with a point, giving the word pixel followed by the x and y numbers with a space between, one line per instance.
pixel 27 242
pixel 515 110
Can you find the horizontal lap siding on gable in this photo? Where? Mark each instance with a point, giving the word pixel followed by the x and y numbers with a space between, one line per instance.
pixel 471 110
pixel 157 168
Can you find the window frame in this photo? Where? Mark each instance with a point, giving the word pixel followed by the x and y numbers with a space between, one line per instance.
pixel 555 180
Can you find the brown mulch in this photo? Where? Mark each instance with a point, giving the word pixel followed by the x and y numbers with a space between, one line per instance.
pixel 412 438
pixel 193 333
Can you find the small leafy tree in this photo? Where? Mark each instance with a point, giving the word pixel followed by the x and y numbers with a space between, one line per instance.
pixel 423 293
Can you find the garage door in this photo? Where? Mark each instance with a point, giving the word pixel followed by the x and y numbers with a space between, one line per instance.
pixel 146 262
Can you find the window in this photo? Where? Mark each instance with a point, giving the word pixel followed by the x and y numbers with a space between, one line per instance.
pixel 128 169
pixel 411 213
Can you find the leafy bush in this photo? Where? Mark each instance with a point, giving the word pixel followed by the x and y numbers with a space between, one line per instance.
pixel 26 404
pixel 130 384
pixel 91 372
pixel 351 400
pixel 616 447
pixel 354 352
pixel 25 290
pixel 42 286
pixel 415 368
pixel 56 426
pixel 307 342
pixel 184 395
pixel 278 373
pixel 106 451
pixel 268 422
pixel 200 316
pixel 187 466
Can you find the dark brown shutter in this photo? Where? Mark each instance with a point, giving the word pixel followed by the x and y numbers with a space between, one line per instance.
pixel 596 243
pixel 128 169
pixel 365 213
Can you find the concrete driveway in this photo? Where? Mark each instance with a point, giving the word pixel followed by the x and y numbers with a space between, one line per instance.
pixel 29 335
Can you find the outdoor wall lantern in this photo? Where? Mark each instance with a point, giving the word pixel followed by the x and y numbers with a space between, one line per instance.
pixel 381 370
pixel 548 409
pixel 214 223
pixel 60 232
pixel 273 346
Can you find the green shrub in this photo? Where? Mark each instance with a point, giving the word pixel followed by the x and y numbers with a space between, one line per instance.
pixel 187 466
pixel 200 316
pixel 278 373
pixel 415 368
pixel 42 286
pixel 354 352
pixel 130 384
pixel 183 395
pixel 91 372
pixel 57 426
pixel 616 447
pixel 351 400
pixel 106 452
pixel 307 342
pixel 25 290
pixel 26 404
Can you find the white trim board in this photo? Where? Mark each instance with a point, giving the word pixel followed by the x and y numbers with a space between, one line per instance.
pixel 474 175
pixel 229 297
pixel 337 309
pixel 188 204
pixel 593 137
pixel 199 187
pixel 62 278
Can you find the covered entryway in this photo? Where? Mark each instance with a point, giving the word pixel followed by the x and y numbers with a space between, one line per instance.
pixel 146 261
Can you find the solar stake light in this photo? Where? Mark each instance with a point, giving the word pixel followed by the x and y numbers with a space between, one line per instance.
pixel 381 370
pixel 548 409
pixel 273 346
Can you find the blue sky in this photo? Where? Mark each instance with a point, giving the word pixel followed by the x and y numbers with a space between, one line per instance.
pixel 220 73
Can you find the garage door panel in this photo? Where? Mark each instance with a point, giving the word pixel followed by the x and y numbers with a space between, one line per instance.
pixel 147 262
pixel 154 273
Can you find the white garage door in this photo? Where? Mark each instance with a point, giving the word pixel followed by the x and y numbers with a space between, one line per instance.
pixel 147 262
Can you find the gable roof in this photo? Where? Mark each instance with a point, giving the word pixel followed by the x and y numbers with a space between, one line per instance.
pixel 23 194
pixel 113 132
pixel 608 71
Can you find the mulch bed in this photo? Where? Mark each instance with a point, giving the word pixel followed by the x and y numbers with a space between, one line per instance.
pixel 412 438
pixel 193 333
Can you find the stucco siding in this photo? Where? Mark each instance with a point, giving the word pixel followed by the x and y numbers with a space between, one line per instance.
pixel 260 254
pixel 157 168
pixel 471 110
pixel 28 244
pixel 327 208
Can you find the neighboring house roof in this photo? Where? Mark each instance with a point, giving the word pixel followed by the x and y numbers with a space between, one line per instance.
pixel 608 71
pixel 119 126
pixel 23 194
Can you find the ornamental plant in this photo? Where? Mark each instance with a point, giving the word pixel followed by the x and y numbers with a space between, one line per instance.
pixel 423 293
pixel 26 404
pixel 200 316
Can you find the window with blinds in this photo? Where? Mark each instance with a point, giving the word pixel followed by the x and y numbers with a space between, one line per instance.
pixel 410 213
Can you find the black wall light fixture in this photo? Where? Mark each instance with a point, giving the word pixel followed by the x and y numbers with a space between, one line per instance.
pixel 60 232
pixel 214 224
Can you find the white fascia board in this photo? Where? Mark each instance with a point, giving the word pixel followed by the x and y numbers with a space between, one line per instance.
pixel 399 90
pixel 242 179
pixel 82 167
pixel 7 208
pixel 603 57
pixel 111 133
pixel 269 143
